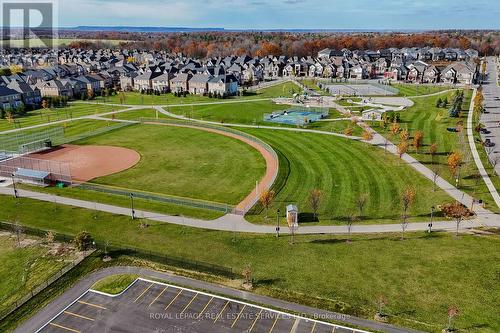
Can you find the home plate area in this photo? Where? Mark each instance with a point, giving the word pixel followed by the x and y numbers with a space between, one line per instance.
pixel 153 307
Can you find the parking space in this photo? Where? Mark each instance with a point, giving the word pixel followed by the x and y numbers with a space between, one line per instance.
pixel 148 306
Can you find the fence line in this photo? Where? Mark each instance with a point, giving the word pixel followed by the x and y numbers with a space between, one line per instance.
pixel 219 128
pixel 112 249
pixel 385 87
pixel 14 142
pixel 102 130
pixel 46 283
pixel 194 203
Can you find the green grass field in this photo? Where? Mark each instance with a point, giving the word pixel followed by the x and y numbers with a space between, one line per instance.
pixel 24 268
pixel 136 98
pixel 417 90
pixel 433 121
pixel 420 277
pixel 185 162
pixel 114 284
pixel 312 84
pixel 55 114
pixel 136 114
pixel 342 169
pixel 241 113
pixel 336 126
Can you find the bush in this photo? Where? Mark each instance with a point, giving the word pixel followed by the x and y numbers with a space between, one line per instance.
pixel 83 241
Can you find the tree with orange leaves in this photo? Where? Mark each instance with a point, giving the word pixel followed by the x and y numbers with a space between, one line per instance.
pixel 418 140
pixel 454 161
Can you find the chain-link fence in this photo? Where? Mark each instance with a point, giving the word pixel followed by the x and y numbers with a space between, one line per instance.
pixel 192 203
pixel 85 135
pixel 23 142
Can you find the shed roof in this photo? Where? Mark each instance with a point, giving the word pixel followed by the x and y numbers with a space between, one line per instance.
pixel 28 173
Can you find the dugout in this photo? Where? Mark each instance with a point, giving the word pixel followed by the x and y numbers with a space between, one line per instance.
pixel 34 177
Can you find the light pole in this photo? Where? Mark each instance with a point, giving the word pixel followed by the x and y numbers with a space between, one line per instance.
pixel 132 205
pixel 432 218
pixel 278 223
pixel 14 185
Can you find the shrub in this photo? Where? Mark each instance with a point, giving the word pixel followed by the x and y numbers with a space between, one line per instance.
pixel 83 240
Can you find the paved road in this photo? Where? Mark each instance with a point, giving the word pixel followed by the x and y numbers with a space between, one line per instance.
pixel 491 119
pixel 59 304
pixel 475 154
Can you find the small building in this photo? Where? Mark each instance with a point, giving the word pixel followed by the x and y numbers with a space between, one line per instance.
pixel 372 114
pixel 35 177
pixel 292 215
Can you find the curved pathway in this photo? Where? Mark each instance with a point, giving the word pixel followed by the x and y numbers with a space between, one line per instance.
pixel 60 303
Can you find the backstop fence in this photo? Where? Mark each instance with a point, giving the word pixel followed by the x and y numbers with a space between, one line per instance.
pixel 24 142
pixel 58 171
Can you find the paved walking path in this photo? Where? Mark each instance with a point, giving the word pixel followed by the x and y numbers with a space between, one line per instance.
pixel 60 303
pixel 475 153
pixel 237 223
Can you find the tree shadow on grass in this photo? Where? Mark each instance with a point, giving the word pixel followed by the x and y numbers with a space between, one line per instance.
pixel 308 218
pixel 266 282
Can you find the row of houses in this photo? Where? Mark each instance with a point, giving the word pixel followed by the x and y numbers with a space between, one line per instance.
pixel 72 73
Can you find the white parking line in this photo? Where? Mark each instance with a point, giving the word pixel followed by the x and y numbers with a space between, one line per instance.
pixel 333 326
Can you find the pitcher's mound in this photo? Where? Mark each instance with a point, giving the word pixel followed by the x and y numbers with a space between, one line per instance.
pixel 90 162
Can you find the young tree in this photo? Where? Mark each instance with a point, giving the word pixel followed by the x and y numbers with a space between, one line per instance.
pixel 418 140
pixel 436 170
pixel 350 222
pixel 367 135
pixel 18 231
pixel 402 148
pixel 395 128
pixel 454 161
pixel 404 135
pixel 433 149
pixel 247 276
pixel 49 237
pixel 266 199
pixel 407 199
pixel 452 313
pixel 456 211
pixel 348 131
pixel 361 200
pixel 83 241
pixel 315 201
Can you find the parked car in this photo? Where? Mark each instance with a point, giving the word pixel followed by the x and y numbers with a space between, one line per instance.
pixel 485 131
pixel 488 143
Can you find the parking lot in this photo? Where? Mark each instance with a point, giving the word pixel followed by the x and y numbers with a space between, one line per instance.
pixel 148 306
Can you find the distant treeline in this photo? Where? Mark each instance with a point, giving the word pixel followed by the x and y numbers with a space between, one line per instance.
pixel 209 44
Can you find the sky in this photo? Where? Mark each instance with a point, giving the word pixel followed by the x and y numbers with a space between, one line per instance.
pixel 284 14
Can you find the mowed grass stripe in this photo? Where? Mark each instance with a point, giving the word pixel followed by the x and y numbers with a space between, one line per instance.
pixel 342 170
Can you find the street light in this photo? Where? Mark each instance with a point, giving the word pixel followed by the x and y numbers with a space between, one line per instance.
pixel 432 218
pixel 132 205
pixel 278 223
pixel 16 195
